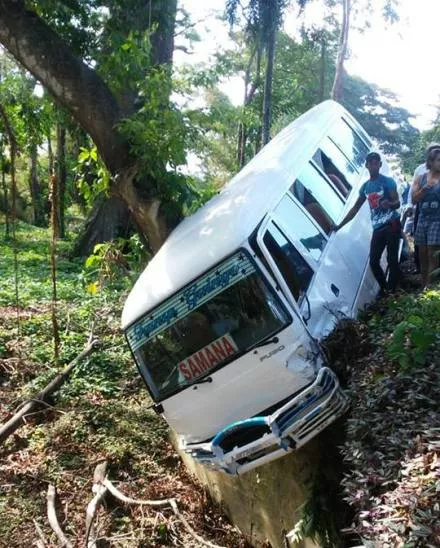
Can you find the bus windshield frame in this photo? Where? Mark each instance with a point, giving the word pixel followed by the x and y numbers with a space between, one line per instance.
pixel 195 330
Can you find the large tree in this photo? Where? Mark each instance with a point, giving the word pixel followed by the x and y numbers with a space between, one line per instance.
pixel 378 111
pixel 75 49
pixel 263 19
pixel 360 10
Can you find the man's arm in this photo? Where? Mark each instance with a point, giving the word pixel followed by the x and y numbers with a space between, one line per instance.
pixel 352 213
pixel 393 201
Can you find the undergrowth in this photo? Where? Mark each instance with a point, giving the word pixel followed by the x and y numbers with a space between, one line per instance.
pixel 102 412
pixel 392 452
pixel 383 487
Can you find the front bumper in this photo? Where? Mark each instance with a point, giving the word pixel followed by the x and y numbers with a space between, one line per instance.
pixel 249 443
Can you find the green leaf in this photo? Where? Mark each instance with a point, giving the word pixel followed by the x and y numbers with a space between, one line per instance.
pixel 83 156
pixel 98 248
pixel 92 261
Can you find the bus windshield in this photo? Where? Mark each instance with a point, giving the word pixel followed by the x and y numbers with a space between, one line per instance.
pixel 211 322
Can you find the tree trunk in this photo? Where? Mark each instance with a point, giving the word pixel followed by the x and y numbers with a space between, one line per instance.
pixel 80 89
pixel 270 52
pixel 337 89
pixel 75 85
pixel 61 178
pixel 116 217
pixel 50 156
pixel 35 188
pixel 322 69
pixel 108 220
pixel 5 204
pixel 248 96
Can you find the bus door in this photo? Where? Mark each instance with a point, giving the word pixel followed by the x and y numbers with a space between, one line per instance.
pixel 314 278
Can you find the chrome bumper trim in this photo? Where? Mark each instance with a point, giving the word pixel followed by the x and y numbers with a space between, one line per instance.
pixel 288 428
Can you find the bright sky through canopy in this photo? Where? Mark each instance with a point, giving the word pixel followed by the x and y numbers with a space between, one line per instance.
pixel 401 57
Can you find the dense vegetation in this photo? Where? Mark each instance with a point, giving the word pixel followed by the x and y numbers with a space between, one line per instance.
pixel 102 413
pixel 97 128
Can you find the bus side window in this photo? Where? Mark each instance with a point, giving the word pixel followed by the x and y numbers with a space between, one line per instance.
pixel 312 206
pixel 300 227
pixel 312 190
pixel 294 269
pixel 346 138
pixel 336 166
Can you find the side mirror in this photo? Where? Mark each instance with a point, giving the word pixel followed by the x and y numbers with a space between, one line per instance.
pixel 309 313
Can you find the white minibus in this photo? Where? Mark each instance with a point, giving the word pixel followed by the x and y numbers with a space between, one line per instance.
pixel 224 323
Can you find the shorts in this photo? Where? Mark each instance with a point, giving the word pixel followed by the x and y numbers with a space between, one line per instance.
pixel 427 231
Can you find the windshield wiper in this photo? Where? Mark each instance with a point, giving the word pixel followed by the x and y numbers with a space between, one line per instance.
pixel 201 381
pixel 273 340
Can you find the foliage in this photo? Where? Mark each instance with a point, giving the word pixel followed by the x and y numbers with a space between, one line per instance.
pixel 157 132
pixel 417 153
pixel 377 110
pixel 416 322
pixel 257 14
pixel 112 261
pixel 102 412
pixel 392 447
pixel 90 167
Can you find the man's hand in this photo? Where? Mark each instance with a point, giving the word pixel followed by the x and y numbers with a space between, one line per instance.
pixel 385 204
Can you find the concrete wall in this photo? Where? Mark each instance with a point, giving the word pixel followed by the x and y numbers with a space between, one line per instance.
pixel 264 503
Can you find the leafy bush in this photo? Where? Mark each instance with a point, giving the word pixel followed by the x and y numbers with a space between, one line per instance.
pixel 414 336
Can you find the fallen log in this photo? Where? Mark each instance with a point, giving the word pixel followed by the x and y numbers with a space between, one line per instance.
pixel 92 508
pixel 35 403
pixel 52 517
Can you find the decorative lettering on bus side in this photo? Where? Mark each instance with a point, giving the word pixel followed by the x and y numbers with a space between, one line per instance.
pixel 199 290
pixel 208 357
pixel 143 331
pixel 232 271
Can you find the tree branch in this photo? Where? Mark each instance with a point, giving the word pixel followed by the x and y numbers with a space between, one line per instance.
pixel 172 503
pixel 52 517
pixel 33 404
pixel 92 508
pixel 73 84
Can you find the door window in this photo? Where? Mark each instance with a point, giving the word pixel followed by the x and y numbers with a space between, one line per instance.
pixel 292 266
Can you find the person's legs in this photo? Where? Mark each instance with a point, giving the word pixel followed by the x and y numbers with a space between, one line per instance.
pixel 432 260
pixel 416 247
pixel 393 240
pixel 423 257
pixel 421 239
pixel 417 258
pixel 378 243
pixel 433 247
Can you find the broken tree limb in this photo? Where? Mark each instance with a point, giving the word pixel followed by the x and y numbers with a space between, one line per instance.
pixel 52 517
pixel 92 508
pixel 42 541
pixel 34 403
pixel 172 503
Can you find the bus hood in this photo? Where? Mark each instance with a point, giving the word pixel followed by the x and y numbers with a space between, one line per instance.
pixel 254 382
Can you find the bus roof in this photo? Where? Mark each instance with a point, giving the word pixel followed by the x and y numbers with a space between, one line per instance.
pixel 227 220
